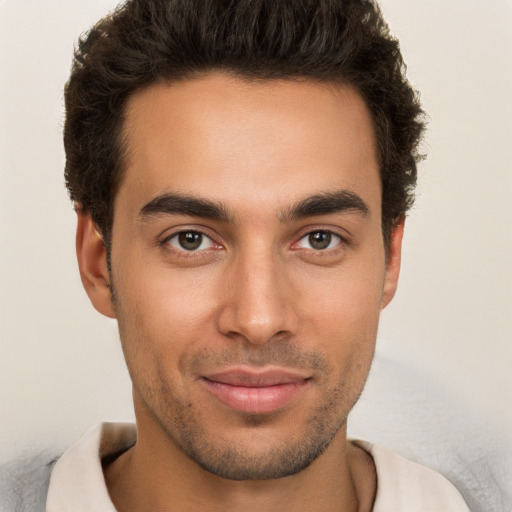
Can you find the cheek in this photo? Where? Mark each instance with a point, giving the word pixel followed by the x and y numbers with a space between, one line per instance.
pixel 162 314
pixel 346 301
pixel 342 319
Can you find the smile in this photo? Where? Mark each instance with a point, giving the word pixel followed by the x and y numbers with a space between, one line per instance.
pixel 256 392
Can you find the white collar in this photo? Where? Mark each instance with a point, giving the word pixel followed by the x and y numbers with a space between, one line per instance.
pixel 77 483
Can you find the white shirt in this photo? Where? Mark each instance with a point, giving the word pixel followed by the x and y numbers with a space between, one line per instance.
pixel 77 483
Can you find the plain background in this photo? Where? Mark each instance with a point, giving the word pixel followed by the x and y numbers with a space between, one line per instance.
pixel 61 367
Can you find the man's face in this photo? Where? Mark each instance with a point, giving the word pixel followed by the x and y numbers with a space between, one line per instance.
pixel 248 267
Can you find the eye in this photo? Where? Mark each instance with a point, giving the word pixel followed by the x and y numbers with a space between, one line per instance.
pixel 319 240
pixel 190 241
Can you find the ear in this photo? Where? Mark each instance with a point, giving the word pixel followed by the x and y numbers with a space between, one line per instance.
pixel 393 263
pixel 92 262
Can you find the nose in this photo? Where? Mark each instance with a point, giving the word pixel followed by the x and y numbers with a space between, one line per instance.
pixel 258 303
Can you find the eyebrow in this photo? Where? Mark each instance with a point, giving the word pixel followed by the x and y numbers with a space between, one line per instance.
pixel 171 203
pixel 318 204
pixel 326 203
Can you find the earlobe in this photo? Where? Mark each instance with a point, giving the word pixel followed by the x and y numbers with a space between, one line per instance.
pixel 92 262
pixel 393 263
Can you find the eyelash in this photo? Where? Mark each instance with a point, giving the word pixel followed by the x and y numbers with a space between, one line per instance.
pixel 196 252
pixel 193 252
pixel 332 237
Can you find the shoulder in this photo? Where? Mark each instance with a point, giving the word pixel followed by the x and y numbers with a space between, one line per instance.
pixel 29 483
pixel 24 483
pixel 403 485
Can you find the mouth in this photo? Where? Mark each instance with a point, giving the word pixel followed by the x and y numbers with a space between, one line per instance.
pixel 256 391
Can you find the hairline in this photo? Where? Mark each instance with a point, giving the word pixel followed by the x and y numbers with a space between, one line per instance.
pixel 246 77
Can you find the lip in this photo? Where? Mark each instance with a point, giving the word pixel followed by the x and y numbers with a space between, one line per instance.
pixel 256 391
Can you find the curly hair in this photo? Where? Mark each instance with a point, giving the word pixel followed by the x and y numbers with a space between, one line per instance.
pixel 147 41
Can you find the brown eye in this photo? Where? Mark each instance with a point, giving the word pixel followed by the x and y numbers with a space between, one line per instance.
pixel 190 241
pixel 320 240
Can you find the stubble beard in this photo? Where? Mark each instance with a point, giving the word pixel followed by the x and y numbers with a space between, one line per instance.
pixel 185 429
pixel 277 459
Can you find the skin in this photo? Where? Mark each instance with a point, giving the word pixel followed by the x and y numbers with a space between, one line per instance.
pixel 256 294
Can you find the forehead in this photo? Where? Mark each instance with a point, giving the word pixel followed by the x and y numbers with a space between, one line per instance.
pixel 241 142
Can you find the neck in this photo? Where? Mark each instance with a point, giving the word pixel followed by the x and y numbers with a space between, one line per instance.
pixel 156 475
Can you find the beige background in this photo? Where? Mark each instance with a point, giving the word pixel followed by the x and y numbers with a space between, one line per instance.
pixel 61 369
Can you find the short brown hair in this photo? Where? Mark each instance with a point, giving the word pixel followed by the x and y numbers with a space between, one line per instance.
pixel 148 41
